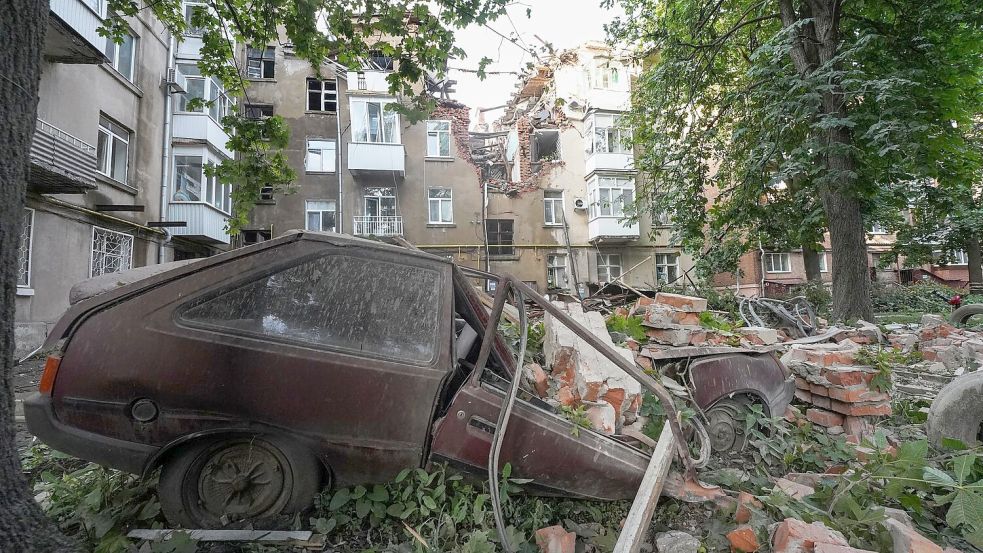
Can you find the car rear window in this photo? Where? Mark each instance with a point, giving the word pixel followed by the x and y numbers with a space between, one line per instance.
pixel 352 303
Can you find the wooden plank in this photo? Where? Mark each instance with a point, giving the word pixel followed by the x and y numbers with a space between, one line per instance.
pixel 265 536
pixel 642 509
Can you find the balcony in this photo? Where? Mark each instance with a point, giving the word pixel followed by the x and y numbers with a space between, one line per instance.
pixel 366 225
pixel 201 128
pixel 60 162
pixel 603 161
pixel 71 36
pixel 610 230
pixel 370 157
pixel 205 223
pixel 368 81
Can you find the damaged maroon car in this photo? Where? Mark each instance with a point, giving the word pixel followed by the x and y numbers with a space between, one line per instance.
pixel 256 377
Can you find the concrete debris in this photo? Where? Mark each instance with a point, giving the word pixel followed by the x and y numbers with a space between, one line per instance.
pixel 906 539
pixel 675 541
pixel 743 539
pixel 555 539
pixel 796 536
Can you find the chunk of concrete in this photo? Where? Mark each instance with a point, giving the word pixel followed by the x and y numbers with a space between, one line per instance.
pixel 675 541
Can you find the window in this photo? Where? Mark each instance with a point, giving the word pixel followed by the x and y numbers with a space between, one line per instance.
pixel 959 257
pixel 778 263
pixel 608 267
pixel 556 271
pixel 258 111
pixel 611 196
pixel 666 268
pixel 189 10
pixel 440 202
pixel 209 90
pixel 379 61
pixel 24 249
pixel 260 62
pixel 193 184
pixel 322 95
pixel 372 122
pixel 320 156
pixel 438 138
pixel 112 252
pixel 112 151
pixel 545 146
pixel 608 137
pixel 606 76
pixel 498 234
pixel 121 55
pixel 823 268
pixel 321 215
pixel 660 219
pixel 877 228
pixel 553 207
pixel 312 303
pixel 380 202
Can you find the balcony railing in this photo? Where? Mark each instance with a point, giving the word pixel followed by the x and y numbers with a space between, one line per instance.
pixel 370 157
pixel 73 32
pixel 60 163
pixel 366 225
pixel 204 223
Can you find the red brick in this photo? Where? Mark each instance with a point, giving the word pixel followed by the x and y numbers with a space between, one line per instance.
pixel 684 303
pixel 794 489
pixel 858 426
pixel 563 368
pixel 745 502
pixel 672 336
pixel 616 397
pixel 621 312
pixel 566 396
pixel 743 539
pixel 821 402
pixel 818 390
pixel 907 540
pixel 644 362
pixel 555 539
pixel 841 376
pixel 824 418
pixel 856 394
pixel 538 376
pixel 697 337
pixel 865 409
pixel 803 395
pixel 591 391
pixel 801 383
pixel 830 548
pixel 633 345
pixel 792 414
pixel 795 536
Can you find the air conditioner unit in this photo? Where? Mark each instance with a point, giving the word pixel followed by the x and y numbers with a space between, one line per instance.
pixel 175 81
pixel 579 204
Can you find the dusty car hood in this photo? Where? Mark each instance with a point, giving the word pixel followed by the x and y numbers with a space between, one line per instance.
pixel 104 283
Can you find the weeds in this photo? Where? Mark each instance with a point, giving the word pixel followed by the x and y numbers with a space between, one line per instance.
pixel 883 360
pixel 576 415
pixel 629 326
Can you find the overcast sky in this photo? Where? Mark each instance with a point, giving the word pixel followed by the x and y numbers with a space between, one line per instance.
pixel 564 23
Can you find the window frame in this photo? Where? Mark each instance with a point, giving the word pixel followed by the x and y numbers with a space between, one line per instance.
pixel 499 248
pixel 26 224
pixel 960 257
pixel 553 268
pixel 112 53
pixel 266 55
pixel 550 208
pixel 381 199
pixel 210 186
pixel 106 127
pixel 621 184
pixel 823 262
pixel 334 155
pixel 666 261
pixel 602 129
pixel 323 95
pixel 607 264
pixel 128 257
pixel 213 94
pixel 440 204
pixel 769 262
pixel 436 132
pixel 187 5
pixel 366 118
pixel 308 211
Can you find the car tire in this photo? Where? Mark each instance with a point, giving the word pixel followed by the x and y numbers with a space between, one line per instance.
pixel 957 411
pixel 725 423
pixel 215 482
pixel 962 315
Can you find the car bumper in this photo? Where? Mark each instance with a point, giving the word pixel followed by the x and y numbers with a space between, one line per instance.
pixel 120 454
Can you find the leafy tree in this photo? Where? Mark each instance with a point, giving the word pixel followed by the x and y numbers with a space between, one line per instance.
pixel 796 115
pixel 417 34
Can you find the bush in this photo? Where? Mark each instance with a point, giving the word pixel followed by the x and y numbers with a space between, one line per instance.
pixel 922 297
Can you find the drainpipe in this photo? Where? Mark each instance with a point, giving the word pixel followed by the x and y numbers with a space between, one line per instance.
pixel 761 264
pixel 339 219
pixel 165 171
pixel 484 225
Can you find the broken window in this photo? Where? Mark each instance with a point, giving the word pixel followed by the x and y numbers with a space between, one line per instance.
pixel 260 62
pixel 545 145
pixel 379 61
pixel 364 306
pixel 778 262
pixel 553 207
pixel 498 234
pixel 440 203
pixel 556 271
pixel 320 215
pixel 666 268
pixel 322 95
pixel 493 171
pixel 258 111
pixel 608 266
pixel 250 237
pixel 438 138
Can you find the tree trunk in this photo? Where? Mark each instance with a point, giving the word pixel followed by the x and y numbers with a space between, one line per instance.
pixel 810 258
pixel 851 276
pixel 23 526
pixel 974 258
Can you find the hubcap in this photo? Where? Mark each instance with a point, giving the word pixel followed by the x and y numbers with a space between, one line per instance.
pixel 726 425
pixel 241 481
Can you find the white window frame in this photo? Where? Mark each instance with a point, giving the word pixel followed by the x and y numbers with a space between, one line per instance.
pixel 325 96
pixel 320 212
pixel 26 235
pixel 960 257
pixel 360 122
pixel 823 262
pixel 433 132
pixel 663 263
pixel 212 192
pixel 601 78
pixel 606 262
pixel 108 128
pixel 877 228
pixel 556 271
pixel 439 202
pixel 606 136
pixel 126 257
pixel 192 31
pixel 217 105
pixel 113 50
pixel 607 196
pixel 262 59
pixel 328 163
pixel 784 262
pixel 553 208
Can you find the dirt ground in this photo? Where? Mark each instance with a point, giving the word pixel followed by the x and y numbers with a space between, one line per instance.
pixel 25 382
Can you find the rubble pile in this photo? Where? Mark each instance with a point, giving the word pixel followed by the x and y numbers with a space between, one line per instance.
pixel 674 320
pixel 946 348
pixel 830 378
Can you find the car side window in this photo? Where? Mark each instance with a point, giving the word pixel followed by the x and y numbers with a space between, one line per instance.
pixel 352 303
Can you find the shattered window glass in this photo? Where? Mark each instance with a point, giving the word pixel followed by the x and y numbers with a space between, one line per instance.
pixel 350 303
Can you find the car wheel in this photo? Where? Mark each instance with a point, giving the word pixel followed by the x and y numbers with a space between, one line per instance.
pixel 217 482
pixel 957 411
pixel 725 424
pixel 964 313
